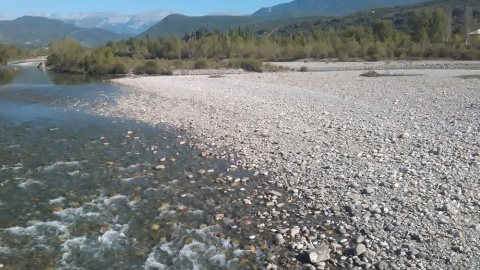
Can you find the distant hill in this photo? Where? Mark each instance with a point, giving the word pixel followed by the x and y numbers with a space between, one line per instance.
pixel 400 16
pixel 330 7
pixel 178 25
pixel 37 32
pixel 115 22
pixel 299 12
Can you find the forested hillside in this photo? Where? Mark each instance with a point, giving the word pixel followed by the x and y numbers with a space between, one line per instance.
pixel 330 7
pixel 178 25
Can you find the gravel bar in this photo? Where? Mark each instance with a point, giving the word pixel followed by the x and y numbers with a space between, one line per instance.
pixel 390 163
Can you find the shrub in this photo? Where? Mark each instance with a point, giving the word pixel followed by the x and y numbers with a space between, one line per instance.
pixel 179 64
pixel 166 72
pixel 247 64
pixel 101 69
pixel 201 63
pixel 303 69
pixel 151 67
pixel 271 67
pixel 120 68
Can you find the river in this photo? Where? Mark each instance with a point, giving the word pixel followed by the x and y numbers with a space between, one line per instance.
pixel 82 191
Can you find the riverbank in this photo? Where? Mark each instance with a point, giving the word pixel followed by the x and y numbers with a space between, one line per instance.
pixel 33 62
pixel 390 164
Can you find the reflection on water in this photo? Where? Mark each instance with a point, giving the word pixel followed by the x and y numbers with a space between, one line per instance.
pixel 76 79
pixel 8 74
pixel 31 75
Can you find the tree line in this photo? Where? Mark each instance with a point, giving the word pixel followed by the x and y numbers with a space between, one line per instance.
pixel 429 33
pixel 9 53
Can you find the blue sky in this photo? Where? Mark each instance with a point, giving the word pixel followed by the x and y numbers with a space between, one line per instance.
pixel 11 9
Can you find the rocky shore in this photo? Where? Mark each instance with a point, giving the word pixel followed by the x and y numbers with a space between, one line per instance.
pixel 377 173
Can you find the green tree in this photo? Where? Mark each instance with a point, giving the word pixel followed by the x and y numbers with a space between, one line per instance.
pixel 383 30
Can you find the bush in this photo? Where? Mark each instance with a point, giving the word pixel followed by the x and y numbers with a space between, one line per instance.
pixel 303 69
pixel 271 67
pixel 247 64
pixel 179 64
pixel 120 68
pixel 152 67
pixel 201 63
pixel 101 69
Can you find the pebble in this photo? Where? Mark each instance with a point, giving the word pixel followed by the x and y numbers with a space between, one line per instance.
pixel 219 217
pixel 389 227
pixel 294 231
pixel 360 249
pixel 369 190
pixel 381 265
pixel 320 254
pixel 160 167
pixel 360 239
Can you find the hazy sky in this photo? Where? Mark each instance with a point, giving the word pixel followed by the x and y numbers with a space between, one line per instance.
pixel 16 8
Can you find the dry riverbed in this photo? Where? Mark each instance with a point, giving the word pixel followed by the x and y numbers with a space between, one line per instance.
pixel 376 172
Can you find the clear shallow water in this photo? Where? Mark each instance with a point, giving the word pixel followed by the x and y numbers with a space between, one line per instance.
pixel 79 191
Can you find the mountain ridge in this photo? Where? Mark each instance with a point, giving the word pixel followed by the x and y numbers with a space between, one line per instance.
pixel 37 32
pixel 113 21
pixel 330 7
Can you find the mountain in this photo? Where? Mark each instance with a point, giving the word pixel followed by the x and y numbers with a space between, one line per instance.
pixel 330 7
pixel 399 15
pixel 178 25
pixel 37 32
pixel 114 22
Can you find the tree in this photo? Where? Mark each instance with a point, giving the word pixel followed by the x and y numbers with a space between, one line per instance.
pixel 383 30
pixel 448 25
pixel 67 55
pixel 468 19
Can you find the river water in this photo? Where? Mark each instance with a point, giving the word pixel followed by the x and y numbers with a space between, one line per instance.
pixel 81 191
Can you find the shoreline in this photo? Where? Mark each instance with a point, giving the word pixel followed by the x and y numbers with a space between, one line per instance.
pixel 29 62
pixel 394 159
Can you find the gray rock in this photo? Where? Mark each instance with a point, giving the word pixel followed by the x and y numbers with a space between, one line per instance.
pixel 350 208
pixel 359 249
pixel 389 227
pixel 360 239
pixel 320 254
pixel 368 190
pixel 275 193
pixel 446 207
pixel 381 265
pixel 421 255
pixel 475 227
pixel 160 167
